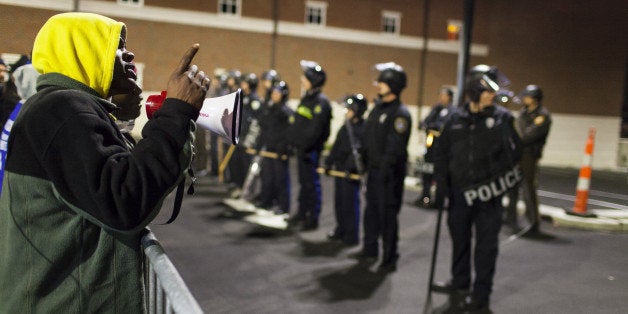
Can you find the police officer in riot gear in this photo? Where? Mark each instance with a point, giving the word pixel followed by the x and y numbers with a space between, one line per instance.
pixel 533 124
pixel 269 79
pixel 475 164
pixel 345 156
pixel 386 137
pixel 432 124
pixel 249 130
pixel 308 134
pixel 275 120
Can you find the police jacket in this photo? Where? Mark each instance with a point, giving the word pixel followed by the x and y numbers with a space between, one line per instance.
pixel 475 148
pixel 311 122
pixel 274 122
pixel 433 125
pixel 534 127
pixel 341 156
pixel 251 110
pixel 436 118
pixel 386 135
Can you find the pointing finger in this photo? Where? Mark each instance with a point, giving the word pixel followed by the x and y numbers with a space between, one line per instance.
pixel 187 59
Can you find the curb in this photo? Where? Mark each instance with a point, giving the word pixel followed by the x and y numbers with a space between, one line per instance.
pixel 610 220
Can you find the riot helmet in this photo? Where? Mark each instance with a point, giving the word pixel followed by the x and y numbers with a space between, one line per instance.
pixel 392 75
pixel 484 78
pixel 491 72
pixel 283 89
pixel 252 80
pixel 314 73
pixel 356 103
pixel 533 91
pixel 272 76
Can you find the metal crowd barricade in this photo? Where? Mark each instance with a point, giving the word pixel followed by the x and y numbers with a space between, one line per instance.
pixel 165 291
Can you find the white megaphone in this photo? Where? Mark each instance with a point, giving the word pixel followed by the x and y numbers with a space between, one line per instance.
pixel 221 115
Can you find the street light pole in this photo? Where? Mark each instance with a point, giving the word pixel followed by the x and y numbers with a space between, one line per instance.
pixel 463 54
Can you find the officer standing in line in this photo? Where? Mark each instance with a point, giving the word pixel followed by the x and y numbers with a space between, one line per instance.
pixel 308 134
pixel 475 164
pixel 269 79
pixel 432 125
pixel 275 120
pixel 386 137
pixel 251 108
pixel 533 124
pixel 345 156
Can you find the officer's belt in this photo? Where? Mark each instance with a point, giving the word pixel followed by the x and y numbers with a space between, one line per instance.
pixel 266 154
pixel 495 186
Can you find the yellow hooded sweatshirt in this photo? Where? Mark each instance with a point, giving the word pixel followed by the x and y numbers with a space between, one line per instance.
pixel 81 46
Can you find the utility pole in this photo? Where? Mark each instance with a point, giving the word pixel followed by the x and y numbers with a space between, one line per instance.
pixel 423 62
pixel 463 54
pixel 273 49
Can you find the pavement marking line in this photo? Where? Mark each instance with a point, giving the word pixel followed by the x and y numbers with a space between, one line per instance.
pixel 609 195
pixel 573 198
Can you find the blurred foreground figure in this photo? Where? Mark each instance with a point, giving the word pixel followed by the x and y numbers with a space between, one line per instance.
pixel 76 198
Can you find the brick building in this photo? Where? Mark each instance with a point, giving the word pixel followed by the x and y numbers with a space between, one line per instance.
pixel 575 50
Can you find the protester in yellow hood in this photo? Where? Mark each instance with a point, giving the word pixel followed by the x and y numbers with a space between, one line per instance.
pixel 75 198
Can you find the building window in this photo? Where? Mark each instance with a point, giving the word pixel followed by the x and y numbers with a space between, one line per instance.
pixel 453 29
pixel 229 7
pixel 137 3
pixel 315 13
pixel 391 22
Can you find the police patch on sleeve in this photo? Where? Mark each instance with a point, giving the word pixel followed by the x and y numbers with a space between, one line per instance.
pixel 317 109
pixel 539 120
pixel 401 125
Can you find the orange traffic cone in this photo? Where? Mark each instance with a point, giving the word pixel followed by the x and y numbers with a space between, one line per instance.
pixel 584 179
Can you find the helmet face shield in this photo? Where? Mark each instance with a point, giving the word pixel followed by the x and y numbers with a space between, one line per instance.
pixel 491 85
pixel 491 74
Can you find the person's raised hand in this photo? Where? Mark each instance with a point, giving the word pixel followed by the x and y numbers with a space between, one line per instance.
pixel 187 83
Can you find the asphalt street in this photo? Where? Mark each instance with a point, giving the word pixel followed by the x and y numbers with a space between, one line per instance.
pixel 232 266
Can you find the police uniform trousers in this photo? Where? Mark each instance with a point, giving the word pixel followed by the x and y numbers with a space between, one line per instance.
pixel 310 187
pixel 527 188
pixel 384 193
pixel 347 209
pixel 239 165
pixel 529 167
pixel 486 218
pixel 275 179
